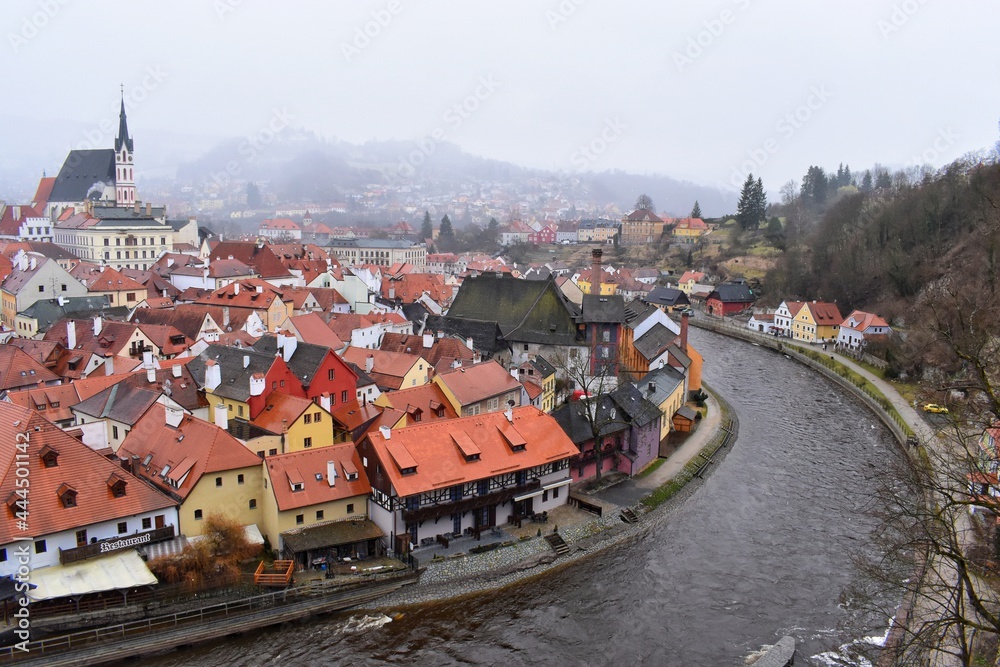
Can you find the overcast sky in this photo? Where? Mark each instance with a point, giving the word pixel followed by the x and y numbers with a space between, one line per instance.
pixel 698 90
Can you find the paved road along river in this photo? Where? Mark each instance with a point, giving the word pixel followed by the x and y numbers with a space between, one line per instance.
pixel 759 551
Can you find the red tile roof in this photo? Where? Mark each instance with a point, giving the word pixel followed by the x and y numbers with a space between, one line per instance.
pixel 389 367
pixel 20 370
pixel 865 320
pixel 280 411
pixel 76 465
pixel 825 314
pixel 429 398
pixel 192 449
pixel 41 197
pixel 259 256
pixel 441 354
pixel 434 449
pixel 306 466
pixel 471 384
pixel 312 329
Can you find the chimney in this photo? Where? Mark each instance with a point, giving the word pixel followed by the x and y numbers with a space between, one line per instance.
pixel 331 473
pixel 150 375
pixel 325 402
pixel 257 383
pixel 174 417
pixel 61 300
pixel 221 417
pixel 260 289
pixel 135 208
pixel 236 288
pixel 509 414
pixel 684 332
pixel 17 212
pixel 22 261
pixel 652 387
pixel 225 316
pixel 468 343
pixel 428 341
pixel 441 334
pixel 147 359
pixel 98 325
pixel 213 375
pixel 32 263
pixel 386 432
pixel 246 361
pixel 109 365
pixel 595 277
pixel 71 334
pixel 175 370
pixel 392 292
pixel 149 209
pixel 369 363
pixel 287 342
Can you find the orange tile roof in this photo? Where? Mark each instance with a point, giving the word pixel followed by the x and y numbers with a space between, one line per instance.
pixel 20 370
pixel 344 324
pixel 108 280
pixel 441 353
pixel 244 294
pixel 429 398
pixel 312 329
pixel 306 465
pixel 352 415
pixel 53 402
pixel 865 320
pixel 696 276
pixel 77 465
pixel 471 384
pixel 389 367
pixel 196 447
pixel 825 314
pixel 280 411
pixel 433 448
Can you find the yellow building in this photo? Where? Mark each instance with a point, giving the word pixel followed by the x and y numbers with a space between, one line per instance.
pixel 199 464
pixel 689 230
pixel 301 423
pixel 317 497
pixel 538 377
pixel 664 387
pixel 817 321
pixel 585 283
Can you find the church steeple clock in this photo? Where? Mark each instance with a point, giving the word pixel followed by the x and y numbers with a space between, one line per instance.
pixel 124 178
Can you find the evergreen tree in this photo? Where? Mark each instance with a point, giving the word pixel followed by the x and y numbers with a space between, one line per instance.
pixel 645 203
pixel 814 186
pixel 446 232
pixel 759 203
pixel 696 210
pixel 491 235
pixel 883 179
pixel 253 196
pixel 866 181
pixel 745 207
pixel 427 228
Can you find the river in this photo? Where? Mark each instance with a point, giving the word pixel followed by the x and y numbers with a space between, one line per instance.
pixel 760 550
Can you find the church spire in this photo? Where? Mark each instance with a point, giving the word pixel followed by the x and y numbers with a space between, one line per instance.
pixel 123 138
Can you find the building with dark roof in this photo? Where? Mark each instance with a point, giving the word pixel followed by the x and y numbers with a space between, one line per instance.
pixel 729 299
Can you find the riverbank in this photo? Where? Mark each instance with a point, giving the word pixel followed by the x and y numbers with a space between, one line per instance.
pixel 495 570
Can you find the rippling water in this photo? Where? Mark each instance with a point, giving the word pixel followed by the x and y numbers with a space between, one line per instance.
pixel 759 551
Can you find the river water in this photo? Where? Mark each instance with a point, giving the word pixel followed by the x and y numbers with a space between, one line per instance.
pixel 760 550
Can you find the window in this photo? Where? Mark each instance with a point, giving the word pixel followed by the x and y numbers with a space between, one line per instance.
pixel 40 547
pixel 525 347
pixel 282 383
pixel 197 515
pixel 555 493
pixel 147 523
pixel 122 527
pixel 63 287
pixel 308 442
pixel 308 418
pixel 230 407
pixel 272 452
pixel 350 508
pixel 3 555
pixel 114 432
pixel 239 410
pixel 41 288
pixel 239 478
pixel 218 481
pixel 81 538
pixel 329 374
pixel 319 515
pixel 606 336
pixel 299 519
pixel 317 416
pixel 253 503
pixel 545 495
pixel 130 296
pixel 343 396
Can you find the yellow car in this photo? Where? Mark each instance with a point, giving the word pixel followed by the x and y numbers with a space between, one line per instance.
pixel 935 408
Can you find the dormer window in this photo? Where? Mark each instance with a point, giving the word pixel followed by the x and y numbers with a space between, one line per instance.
pixel 67 495
pixel 117 486
pixel 49 457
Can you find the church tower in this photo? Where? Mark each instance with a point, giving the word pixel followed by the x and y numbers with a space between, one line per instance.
pixel 124 178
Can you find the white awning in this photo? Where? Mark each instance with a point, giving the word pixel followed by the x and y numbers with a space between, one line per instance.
pixel 561 482
pixel 525 496
pixel 122 570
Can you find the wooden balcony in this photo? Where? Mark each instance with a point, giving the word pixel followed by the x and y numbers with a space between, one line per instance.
pixel 466 504
pixel 113 544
